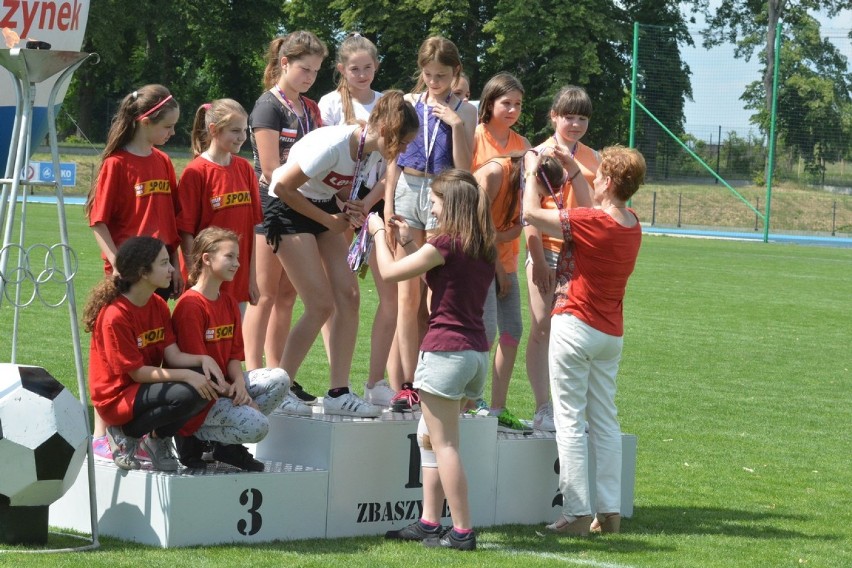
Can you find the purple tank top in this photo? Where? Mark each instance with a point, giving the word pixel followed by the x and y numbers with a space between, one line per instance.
pixel 441 155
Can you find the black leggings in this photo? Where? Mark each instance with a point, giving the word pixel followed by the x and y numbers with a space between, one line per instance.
pixel 163 408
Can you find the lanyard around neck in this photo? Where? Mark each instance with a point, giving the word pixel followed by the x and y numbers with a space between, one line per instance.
pixel 427 144
pixel 359 164
pixel 306 125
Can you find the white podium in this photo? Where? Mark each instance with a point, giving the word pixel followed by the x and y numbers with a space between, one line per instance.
pixel 195 507
pixel 374 480
pixel 355 477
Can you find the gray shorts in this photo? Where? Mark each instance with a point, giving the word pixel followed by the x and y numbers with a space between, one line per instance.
pixel 551 257
pixel 452 374
pixel 411 200
pixel 503 313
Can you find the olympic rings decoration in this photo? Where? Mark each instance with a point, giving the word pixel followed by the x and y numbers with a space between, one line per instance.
pixel 24 272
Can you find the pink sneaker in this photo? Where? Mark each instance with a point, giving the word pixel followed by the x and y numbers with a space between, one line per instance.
pixel 103 452
pixel 100 446
pixel 141 454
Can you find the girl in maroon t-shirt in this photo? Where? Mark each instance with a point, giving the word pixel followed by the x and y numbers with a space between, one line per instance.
pixel 132 338
pixel 459 266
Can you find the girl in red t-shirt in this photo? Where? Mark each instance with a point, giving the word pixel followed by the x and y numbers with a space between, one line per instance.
pixel 207 321
pixel 132 338
pixel 218 188
pixel 134 192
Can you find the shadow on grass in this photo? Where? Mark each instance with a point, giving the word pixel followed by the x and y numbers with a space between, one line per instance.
pixel 717 521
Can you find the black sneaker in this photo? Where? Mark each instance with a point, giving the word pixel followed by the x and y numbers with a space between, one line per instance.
pixel 237 455
pixel 190 449
pixel 414 531
pixel 302 394
pixel 450 540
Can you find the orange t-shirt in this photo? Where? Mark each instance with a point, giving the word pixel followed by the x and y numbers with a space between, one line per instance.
pixel 587 160
pixel 485 148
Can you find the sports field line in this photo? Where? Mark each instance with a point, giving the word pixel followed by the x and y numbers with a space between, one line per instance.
pixel 564 558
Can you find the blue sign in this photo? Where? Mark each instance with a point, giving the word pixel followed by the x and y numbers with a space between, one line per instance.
pixel 43 172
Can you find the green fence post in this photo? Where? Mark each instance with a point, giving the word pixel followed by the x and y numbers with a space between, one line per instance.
pixel 772 116
pixel 634 72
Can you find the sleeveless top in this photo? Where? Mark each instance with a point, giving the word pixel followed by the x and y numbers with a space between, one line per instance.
pixel 441 156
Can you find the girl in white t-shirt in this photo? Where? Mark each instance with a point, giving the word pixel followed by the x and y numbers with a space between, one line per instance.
pixel 351 103
pixel 306 232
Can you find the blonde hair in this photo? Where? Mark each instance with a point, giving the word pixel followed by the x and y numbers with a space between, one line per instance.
pixel 218 113
pixel 206 242
pixel 293 46
pixel 466 213
pixel 353 44
pixel 441 50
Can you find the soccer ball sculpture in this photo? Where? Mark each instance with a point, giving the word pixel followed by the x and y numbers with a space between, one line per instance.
pixel 43 440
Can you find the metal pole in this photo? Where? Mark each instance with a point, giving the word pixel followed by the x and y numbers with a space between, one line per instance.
pixel 679 201
pixel 756 206
pixel 654 209
pixel 718 153
pixel 833 217
pixel 772 135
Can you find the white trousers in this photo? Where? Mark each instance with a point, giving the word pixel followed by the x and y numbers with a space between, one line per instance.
pixel 583 367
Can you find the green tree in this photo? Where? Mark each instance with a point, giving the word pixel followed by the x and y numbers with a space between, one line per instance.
pixel 814 103
pixel 663 78
pixel 752 24
pixel 199 50
pixel 551 43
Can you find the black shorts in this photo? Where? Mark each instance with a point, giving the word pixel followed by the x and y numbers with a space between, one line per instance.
pixel 265 198
pixel 379 207
pixel 280 220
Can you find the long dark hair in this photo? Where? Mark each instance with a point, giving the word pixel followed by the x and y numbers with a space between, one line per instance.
pixel 151 102
pixel 134 259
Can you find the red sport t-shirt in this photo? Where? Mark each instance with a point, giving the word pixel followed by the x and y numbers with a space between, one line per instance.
pixel 126 337
pixel 222 196
pixel 208 327
pixel 136 195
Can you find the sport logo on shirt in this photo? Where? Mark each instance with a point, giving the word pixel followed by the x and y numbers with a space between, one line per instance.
pixel 219 333
pixel 337 181
pixel 152 186
pixel 150 337
pixel 230 200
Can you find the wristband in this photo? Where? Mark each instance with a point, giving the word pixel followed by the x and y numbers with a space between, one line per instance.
pixel 406 243
pixel 377 230
pixel 575 175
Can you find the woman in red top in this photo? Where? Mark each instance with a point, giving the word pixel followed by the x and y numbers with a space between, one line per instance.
pixel 131 339
pixel 587 329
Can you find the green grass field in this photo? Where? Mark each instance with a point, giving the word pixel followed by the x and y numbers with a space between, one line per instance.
pixel 735 378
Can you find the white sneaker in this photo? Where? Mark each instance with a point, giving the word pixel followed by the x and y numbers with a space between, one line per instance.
pixel 294 406
pixel 380 395
pixel 350 404
pixel 543 419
